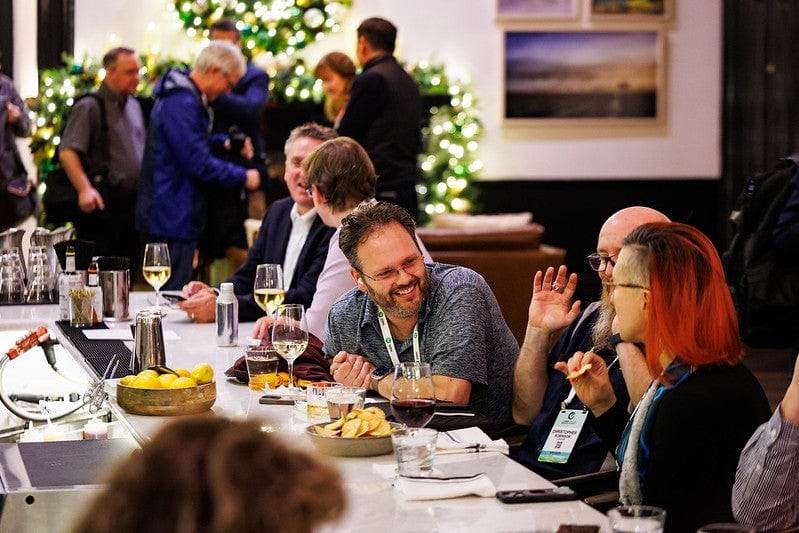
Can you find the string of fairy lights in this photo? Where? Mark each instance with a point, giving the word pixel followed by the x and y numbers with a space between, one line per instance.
pixel 274 32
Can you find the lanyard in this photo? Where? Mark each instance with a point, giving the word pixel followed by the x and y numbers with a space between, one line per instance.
pixel 389 342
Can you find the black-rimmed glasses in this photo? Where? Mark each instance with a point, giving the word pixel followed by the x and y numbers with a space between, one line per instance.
pixel 391 274
pixel 599 263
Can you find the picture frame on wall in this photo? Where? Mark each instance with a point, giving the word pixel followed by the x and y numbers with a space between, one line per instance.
pixel 631 10
pixel 518 10
pixel 584 77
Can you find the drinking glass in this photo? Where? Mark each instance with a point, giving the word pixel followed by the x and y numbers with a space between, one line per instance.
pixel 268 289
pixel 290 335
pixel 413 398
pixel 637 518
pixel 156 269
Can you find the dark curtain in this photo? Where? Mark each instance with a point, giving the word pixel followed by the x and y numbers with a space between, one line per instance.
pixel 7 37
pixel 56 31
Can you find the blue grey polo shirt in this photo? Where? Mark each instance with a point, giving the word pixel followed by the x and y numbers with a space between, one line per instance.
pixel 462 334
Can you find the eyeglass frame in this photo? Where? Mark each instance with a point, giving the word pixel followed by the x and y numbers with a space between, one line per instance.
pixel 392 274
pixel 613 284
pixel 309 190
pixel 603 261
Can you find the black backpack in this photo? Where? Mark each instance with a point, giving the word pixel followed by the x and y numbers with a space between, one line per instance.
pixel 765 289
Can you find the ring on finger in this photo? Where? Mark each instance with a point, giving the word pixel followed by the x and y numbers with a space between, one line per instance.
pixel 557 288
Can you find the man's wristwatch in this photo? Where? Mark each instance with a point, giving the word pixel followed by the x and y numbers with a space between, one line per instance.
pixel 377 375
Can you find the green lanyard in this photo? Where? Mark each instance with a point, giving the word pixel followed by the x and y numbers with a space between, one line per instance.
pixel 389 342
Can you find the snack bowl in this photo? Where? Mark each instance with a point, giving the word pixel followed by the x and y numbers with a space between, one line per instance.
pixel 351 447
pixel 166 402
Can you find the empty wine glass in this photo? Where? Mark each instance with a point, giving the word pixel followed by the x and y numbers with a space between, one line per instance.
pixel 268 289
pixel 413 398
pixel 156 269
pixel 290 335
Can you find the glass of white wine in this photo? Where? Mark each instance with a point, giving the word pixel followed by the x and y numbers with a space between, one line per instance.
pixel 290 335
pixel 156 268
pixel 268 288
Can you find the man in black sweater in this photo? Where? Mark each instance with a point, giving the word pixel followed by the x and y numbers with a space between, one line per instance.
pixel 384 115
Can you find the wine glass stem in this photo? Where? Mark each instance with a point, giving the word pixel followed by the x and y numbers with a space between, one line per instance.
pixel 291 373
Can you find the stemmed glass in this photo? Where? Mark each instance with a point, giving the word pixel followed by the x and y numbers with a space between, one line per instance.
pixel 156 269
pixel 290 335
pixel 268 289
pixel 413 398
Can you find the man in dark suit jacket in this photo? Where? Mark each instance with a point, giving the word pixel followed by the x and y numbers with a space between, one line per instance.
pixel 285 223
pixel 384 115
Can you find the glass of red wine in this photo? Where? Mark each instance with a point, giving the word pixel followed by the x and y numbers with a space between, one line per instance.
pixel 413 399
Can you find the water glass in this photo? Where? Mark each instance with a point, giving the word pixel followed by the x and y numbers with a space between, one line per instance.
pixel 40 281
pixel 342 400
pixel 12 278
pixel 415 449
pixel 261 364
pixel 637 519
pixel 317 401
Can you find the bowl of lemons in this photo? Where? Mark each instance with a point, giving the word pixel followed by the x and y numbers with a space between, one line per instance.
pixel 162 391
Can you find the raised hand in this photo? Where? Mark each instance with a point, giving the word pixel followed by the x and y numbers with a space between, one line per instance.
pixel 551 308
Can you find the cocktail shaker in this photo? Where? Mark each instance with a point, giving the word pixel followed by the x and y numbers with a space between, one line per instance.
pixel 148 342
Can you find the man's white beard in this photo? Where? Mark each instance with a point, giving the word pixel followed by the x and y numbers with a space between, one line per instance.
pixel 601 332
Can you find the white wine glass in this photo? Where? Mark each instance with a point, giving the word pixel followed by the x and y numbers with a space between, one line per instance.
pixel 290 335
pixel 156 268
pixel 268 288
pixel 413 399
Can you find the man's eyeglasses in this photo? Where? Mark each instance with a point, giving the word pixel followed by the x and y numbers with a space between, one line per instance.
pixel 309 190
pixel 612 284
pixel 391 274
pixel 600 262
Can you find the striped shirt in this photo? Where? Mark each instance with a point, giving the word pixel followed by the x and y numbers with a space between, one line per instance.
pixel 766 490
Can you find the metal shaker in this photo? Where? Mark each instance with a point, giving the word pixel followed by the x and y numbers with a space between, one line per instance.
pixel 148 341
pixel 115 284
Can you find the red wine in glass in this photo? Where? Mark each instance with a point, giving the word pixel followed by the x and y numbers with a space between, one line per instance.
pixel 413 400
pixel 415 413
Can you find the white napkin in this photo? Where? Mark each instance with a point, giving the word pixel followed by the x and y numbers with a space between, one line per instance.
pixel 468 440
pixel 440 488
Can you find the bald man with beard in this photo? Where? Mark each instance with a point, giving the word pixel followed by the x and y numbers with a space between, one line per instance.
pixel 560 442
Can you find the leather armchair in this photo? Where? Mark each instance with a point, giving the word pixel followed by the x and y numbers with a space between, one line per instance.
pixel 507 259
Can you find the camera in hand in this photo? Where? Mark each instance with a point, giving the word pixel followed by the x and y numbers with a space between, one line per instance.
pixel 237 138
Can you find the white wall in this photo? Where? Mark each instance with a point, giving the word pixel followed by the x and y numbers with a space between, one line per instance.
pixel 464 35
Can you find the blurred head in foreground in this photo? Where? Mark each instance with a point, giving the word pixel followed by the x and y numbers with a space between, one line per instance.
pixel 209 474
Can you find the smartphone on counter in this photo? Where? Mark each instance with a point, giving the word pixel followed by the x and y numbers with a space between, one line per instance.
pixel 557 494
pixel 172 297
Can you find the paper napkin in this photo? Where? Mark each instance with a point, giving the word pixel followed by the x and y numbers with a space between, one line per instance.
pixel 440 488
pixel 468 440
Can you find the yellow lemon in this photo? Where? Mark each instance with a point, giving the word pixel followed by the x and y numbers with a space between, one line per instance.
pixel 127 380
pixel 182 383
pixel 167 379
pixel 182 372
pixel 202 373
pixel 148 372
pixel 146 382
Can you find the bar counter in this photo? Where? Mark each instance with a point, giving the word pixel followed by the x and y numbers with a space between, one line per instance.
pixel 373 504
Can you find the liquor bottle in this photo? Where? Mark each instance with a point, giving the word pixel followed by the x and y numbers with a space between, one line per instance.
pixel 67 280
pixel 227 316
pixel 93 284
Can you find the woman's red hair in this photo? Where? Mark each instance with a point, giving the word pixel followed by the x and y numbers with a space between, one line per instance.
pixel 690 311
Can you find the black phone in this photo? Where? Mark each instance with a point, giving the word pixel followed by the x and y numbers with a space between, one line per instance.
pixel 270 400
pixel 172 297
pixel 557 494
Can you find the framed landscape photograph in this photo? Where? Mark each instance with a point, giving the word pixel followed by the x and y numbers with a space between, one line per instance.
pixel 631 10
pixel 512 10
pixel 567 77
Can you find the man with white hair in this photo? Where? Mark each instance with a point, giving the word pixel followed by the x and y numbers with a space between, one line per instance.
pixel 177 160
pixel 559 443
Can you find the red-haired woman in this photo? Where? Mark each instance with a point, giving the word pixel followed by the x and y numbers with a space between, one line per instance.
pixel 679 449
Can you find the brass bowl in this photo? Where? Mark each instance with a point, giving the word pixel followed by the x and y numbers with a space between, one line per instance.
pixel 353 447
pixel 166 402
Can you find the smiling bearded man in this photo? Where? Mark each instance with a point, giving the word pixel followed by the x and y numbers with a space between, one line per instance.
pixel 405 310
